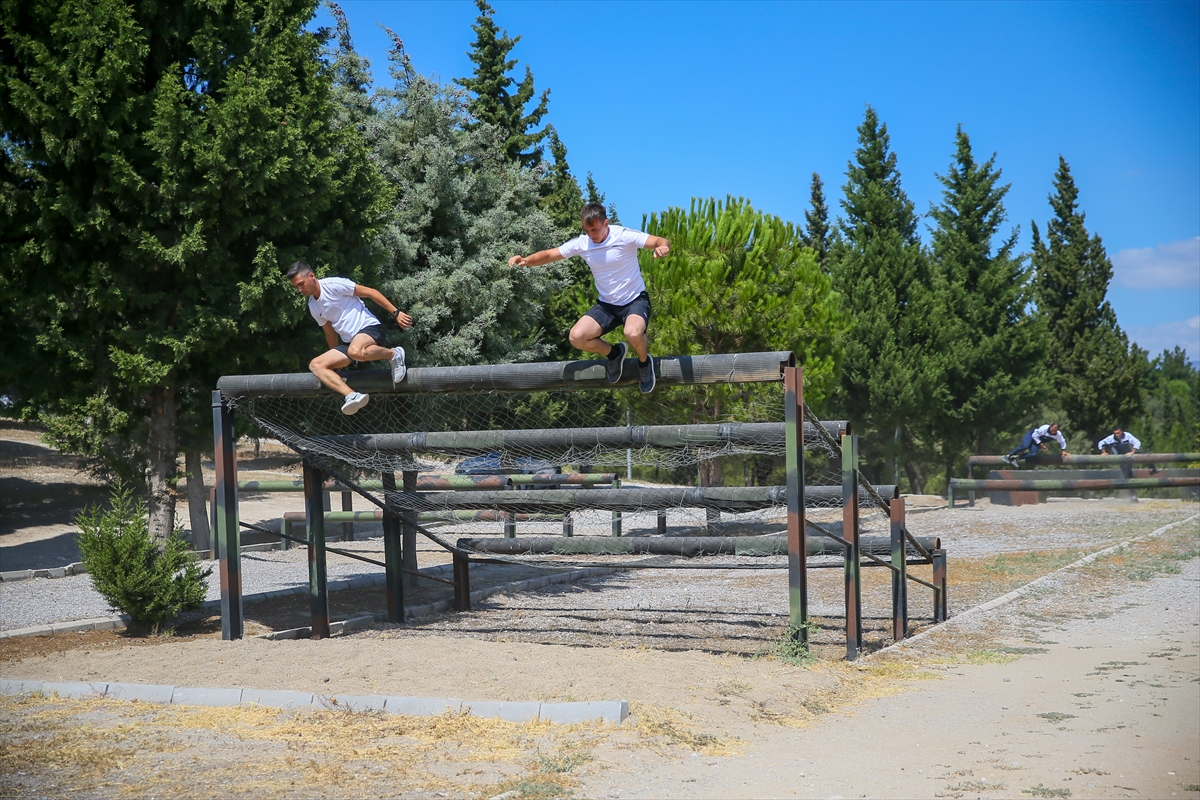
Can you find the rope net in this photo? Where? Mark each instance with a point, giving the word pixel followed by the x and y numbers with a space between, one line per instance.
pixel 586 477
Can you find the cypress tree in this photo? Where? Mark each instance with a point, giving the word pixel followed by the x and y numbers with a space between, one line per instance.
pixel 493 103
pixel 166 162
pixel 888 377
pixel 594 195
pixel 816 222
pixel 1096 372
pixel 992 347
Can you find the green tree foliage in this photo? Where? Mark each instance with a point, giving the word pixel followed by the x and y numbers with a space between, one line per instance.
pixel 149 580
pixel 594 195
pixel 882 271
pixel 162 162
pixel 561 196
pixel 493 103
pixel 990 346
pixel 1097 373
pixel 1171 422
pixel 461 209
pixel 816 222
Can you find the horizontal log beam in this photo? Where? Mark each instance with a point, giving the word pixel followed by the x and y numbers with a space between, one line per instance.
pixel 1056 459
pixel 733 499
pixel 747 434
pixel 1091 484
pixel 670 370
pixel 438 482
pixel 687 546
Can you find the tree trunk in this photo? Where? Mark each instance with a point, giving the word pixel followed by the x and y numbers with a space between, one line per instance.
pixel 197 499
pixel 161 471
pixel 916 481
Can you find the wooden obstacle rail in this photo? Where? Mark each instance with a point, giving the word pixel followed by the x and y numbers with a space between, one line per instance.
pixel 1057 460
pixel 401 515
pixel 1077 485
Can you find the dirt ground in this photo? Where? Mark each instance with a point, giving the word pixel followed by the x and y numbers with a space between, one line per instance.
pixel 1086 686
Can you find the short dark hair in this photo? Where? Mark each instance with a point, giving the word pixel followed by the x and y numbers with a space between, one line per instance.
pixel 593 212
pixel 298 268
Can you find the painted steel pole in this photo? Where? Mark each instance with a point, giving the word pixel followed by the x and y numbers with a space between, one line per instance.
pixel 793 399
pixel 850 532
pixel 409 519
pixel 899 572
pixel 392 557
pixel 318 577
pixel 225 514
pixel 940 605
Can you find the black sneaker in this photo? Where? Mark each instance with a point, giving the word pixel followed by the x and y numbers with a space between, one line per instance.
pixel 616 362
pixel 646 375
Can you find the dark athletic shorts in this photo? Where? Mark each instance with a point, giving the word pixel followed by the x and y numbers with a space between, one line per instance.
pixel 376 332
pixel 610 316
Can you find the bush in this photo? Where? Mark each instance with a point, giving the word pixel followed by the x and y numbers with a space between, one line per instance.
pixel 150 581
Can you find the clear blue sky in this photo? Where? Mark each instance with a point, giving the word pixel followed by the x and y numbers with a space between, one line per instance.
pixel 664 101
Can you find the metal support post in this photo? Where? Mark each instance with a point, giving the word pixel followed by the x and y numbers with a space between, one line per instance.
pixel 850 531
pixel 662 522
pixel 899 571
pixel 510 520
pixel 347 527
pixel 409 526
pixel 950 496
pixel 568 524
pixel 225 517
pixel 318 577
pixel 940 607
pixel 616 515
pixel 392 557
pixel 212 522
pixel 793 381
pixel 462 583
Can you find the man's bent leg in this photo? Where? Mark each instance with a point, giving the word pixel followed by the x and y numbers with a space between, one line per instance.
pixel 323 367
pixel 586 335
pixel 635 334
pixel 363 348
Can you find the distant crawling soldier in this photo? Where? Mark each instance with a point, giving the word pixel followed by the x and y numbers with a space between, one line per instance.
pixel 336 305
pixel 611 253
pixel 1035 441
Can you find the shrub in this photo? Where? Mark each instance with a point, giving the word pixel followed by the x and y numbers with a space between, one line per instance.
pixel 150 581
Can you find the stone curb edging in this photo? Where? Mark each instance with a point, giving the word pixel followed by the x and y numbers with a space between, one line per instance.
pixel 344 626
pixel 610 711
pixel 1029 587
pixel 77 568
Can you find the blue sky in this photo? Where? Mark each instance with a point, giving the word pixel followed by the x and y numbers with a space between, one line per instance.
pixel 665 101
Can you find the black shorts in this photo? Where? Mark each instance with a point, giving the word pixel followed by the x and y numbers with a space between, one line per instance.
pixel 610 316
pixel 376 332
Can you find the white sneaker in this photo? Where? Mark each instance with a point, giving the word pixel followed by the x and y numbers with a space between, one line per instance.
pixel 354 401
pixel 398 368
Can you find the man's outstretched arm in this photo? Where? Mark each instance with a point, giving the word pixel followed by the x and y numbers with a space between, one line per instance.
pixel 658 244
pixel 537 259
pixel 376 297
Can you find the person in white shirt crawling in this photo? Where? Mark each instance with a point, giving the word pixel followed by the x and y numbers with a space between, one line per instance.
pixel 1122 443
pixel 1035 441
pixel 611 253
pixel 336 304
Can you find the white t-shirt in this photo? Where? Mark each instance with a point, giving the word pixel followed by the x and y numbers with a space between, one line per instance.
pixel 613 262
pixel 1111 440
pixel 338 305
pixel 1043 433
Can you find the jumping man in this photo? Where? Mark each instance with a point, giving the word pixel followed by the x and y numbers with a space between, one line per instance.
pixel 611 253
pixel 336 305
pixel 1034 441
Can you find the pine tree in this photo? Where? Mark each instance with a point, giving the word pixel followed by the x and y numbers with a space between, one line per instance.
pixel 1096 372
pixel 594 195
pixel 816 222
pixel 888 378
pixel 493 103
pixel 166 162
pixel 991 347
pixel 561 196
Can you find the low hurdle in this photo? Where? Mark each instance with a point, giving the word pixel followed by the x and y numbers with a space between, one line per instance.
pixel 1128 472
pixel 403 501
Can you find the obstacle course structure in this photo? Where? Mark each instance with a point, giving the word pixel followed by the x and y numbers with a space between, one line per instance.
pixel 1122 473
pixel 439 416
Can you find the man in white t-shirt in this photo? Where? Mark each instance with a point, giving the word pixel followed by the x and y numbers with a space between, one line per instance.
pixel 1035 441
pixel 336 304
pixel 611 253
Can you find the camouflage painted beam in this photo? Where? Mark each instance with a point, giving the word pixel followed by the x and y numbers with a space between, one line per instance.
pixel 1056 459
pixel 733 499
pixel 670 371
pixel 686 546
pixel 750 434
pixel 1076 485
